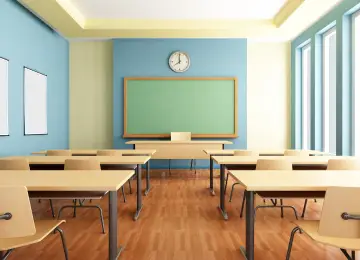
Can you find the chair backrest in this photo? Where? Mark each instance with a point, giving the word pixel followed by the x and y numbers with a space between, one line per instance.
pixel 245 153
pixel 339 200
pixel 273 164
pixel 14 164
pixel 296 153
pixel 15 200
pixel 180 136
pixel 82 164
pixel 58 153
pixel 109 153
pixel 343 164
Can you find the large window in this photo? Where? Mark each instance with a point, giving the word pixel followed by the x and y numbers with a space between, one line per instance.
pixel 356 81
pixel 329 91
pixel 306 90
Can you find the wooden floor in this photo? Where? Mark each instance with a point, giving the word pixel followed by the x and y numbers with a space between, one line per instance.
pixel 179 221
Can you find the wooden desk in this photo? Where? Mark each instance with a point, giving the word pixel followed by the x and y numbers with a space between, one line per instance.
pixel 74 181
pixel 249 163
pixel 92 152
pixel 57 163
pixel 284 181
pixel 179 149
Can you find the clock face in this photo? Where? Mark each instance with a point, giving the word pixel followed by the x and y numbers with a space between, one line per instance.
pixel 179 61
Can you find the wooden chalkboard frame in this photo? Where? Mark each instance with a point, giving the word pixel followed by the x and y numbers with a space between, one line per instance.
pixel 232 135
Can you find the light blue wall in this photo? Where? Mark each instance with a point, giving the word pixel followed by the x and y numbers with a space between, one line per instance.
pixel 25 41
pixel 209 58
pixel 339 17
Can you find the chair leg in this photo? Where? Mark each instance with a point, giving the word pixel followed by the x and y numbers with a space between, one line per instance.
pixel 129 182
pixel 170 167
pixel 242 205
pixel 353 255
pixel 346 254
pixel 291 242
pixel 195 165
pixel 52 209
pixel 282 209
pixel 101 219
pixel 304 209
pixel 74 215
pixel 66 253
pixel 191 164
pixel 226 182
pixel 123 193
pixel 232 190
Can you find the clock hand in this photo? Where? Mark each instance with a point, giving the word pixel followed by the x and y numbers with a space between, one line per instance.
pixel 179 59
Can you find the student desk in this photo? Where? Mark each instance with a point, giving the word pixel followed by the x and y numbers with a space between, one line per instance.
pixel 222 152
pixel 91 152
pixel 57 163
pixel 179 149
pixel 74 181
pixel 249 163
pixel 283 182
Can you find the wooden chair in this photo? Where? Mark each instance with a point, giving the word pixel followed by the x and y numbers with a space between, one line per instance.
pixel 339 225
pixel 278 165
pixel 296 153
pixel 178 137
pixel 20 164
pixel 118 167
pixel 17 224
pixel 338 165
pixel 234 167
pixel 58 153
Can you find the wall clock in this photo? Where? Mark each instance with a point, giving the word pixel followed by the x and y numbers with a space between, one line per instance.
pixel 179 61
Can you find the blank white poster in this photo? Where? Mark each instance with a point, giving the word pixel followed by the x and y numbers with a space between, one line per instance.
pixel 4 86
pixel 35 102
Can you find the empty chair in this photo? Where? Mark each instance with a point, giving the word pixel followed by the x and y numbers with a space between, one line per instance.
pixel 278 165
pixel 58 153
pixel 234 167
pixel 20 164
pixel 118 167
pixel 181 137
pixel 17 224
pixel 296 153
pixel 339 225
pixel 338 165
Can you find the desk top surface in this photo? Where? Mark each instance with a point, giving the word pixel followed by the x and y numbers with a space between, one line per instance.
pixel 66 180
pixel 318 180
pixel 180 142
pixel 94 151
pixel 101 159
pixel 311 160
pixel 264 152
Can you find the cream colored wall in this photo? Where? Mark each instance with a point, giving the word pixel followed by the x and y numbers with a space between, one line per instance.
pixel 268 95
pixel 91 88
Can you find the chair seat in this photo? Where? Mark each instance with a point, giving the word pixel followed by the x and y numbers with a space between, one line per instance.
pixel 310 227
pixel 43 228
pixel 291 194
pixel 67 194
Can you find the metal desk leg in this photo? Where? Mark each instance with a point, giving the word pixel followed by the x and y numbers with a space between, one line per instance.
pixel 222 192
pixel 138 192
pixel 148 187
pixel 249 252
pixel 114 251
pixel 212 176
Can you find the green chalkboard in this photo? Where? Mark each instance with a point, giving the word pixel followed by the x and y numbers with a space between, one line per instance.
pixel 155 107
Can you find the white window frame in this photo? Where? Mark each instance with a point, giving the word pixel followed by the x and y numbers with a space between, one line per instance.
pixel 356 84
pixel 326 89
pixel 306 98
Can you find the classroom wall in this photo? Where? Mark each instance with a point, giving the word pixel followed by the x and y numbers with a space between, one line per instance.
pixel 268 95
pixel 209 58
pixel 25 41
pixel 340 17
pixel 91 94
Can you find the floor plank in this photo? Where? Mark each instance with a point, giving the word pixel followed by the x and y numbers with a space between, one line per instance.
pixel 179 221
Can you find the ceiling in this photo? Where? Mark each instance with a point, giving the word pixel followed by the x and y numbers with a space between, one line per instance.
pixel 265 20
pixel 175 9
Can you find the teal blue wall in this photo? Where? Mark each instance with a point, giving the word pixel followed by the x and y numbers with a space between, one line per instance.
pixel 25 41
pixel 209 58
pixel 339 17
